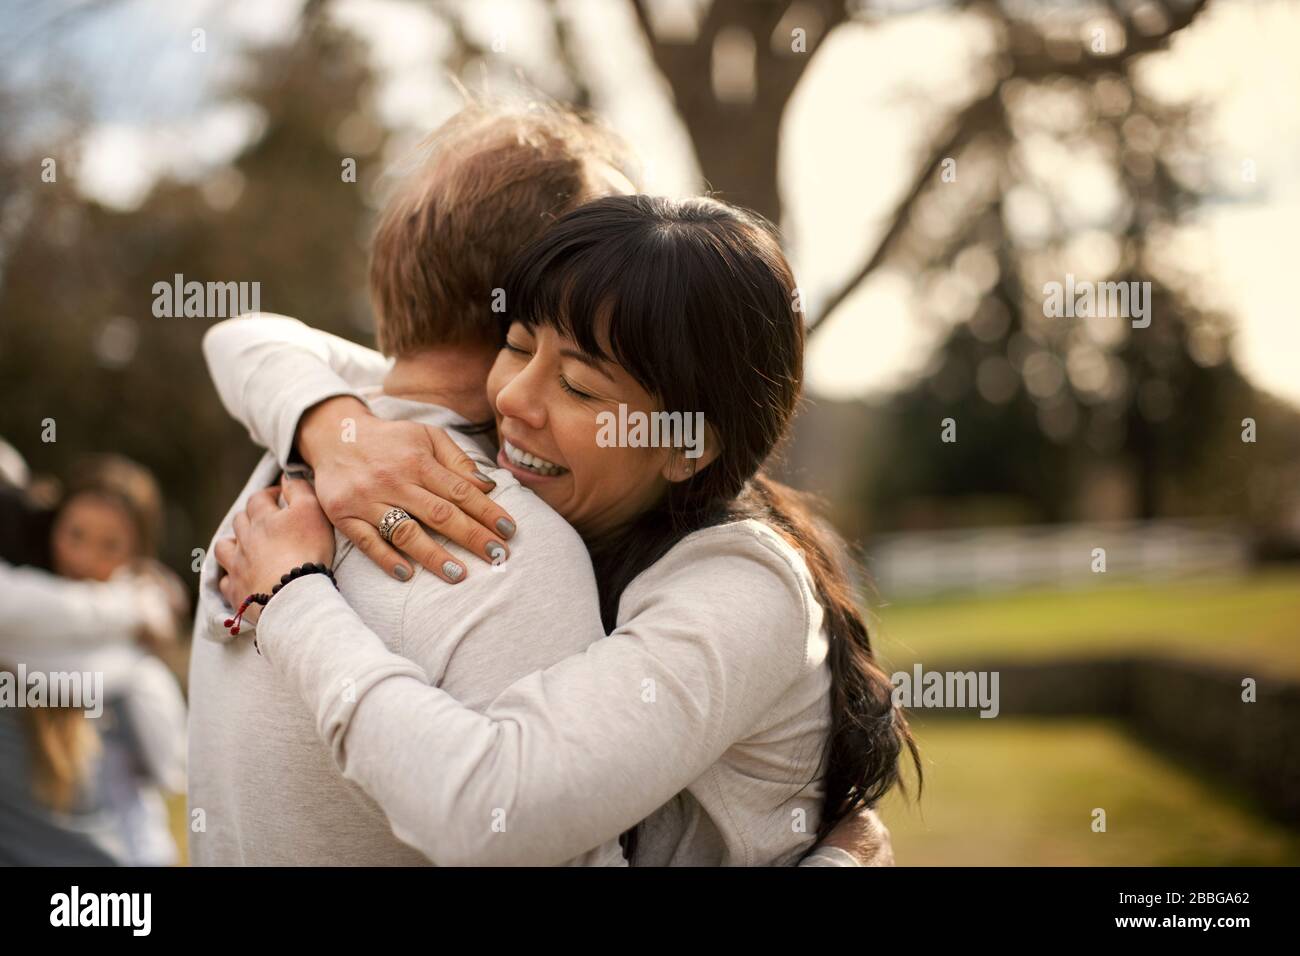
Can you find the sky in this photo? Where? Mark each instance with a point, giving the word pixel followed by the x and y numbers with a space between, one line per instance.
pixel 157 112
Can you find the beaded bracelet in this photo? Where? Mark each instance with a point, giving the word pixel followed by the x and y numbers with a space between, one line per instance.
pixel 301 571
pixel 263 599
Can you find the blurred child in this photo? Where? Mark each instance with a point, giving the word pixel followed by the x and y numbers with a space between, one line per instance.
pixel 110 772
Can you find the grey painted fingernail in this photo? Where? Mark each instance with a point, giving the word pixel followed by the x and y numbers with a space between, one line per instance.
pixel 452 570
pixel 506 527
pixel 484 478
pixel 401 572
pixel 496 552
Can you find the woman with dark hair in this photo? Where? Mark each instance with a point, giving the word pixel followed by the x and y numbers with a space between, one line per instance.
pixel 736 690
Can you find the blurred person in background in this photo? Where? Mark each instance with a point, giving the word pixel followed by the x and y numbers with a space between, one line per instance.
pixel 76 790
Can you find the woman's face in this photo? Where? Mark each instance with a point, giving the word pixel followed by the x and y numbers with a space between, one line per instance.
pixel 548 395
pixel 92 537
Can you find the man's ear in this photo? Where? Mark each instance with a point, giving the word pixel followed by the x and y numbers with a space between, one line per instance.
pixel 678 466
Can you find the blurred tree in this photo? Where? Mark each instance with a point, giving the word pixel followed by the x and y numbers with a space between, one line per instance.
pixel 1043 402
pixel 731 82
pixel 1045 406
pixel 79 342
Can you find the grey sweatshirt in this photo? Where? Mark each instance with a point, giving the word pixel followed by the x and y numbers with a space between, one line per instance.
pixel 264 789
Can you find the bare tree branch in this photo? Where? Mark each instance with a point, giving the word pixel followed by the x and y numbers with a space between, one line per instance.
pixel 568 58
pixel 956 135
pixel 1028 61
pixel 1036 63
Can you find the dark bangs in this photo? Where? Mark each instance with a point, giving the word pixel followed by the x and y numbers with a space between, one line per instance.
pixel 627 285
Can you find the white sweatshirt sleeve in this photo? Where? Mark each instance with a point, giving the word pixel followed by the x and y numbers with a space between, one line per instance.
pixel 567 758
pixel 269 369
pixel 156 709
pixel 829 856
pixel 44 612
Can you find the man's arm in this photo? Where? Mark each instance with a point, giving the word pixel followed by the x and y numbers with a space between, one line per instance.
pixel 860 839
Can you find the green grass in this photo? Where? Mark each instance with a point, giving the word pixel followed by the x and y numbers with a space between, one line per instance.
pixel 1022 793
pixel 1254 619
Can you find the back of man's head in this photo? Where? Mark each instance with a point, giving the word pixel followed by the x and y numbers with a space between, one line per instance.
pixel 489 180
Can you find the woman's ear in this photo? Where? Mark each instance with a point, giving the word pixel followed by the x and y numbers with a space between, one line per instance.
pixel 683 463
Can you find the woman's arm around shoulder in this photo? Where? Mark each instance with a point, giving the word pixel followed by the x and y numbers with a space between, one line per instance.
pixel 269 369
pixel 709 639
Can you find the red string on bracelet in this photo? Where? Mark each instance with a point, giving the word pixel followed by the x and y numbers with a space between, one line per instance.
pixel 234 622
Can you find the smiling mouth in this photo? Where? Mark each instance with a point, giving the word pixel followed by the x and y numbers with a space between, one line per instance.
pixel 538 466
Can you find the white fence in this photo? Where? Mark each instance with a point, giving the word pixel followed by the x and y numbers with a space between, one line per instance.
pixel 917 564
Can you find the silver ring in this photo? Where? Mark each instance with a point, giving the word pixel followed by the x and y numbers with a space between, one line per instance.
pixel 389 522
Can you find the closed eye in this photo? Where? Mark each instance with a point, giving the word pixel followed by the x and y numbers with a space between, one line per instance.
pixel 564 384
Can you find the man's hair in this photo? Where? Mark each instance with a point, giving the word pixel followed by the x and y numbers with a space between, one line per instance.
pixel 487 181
